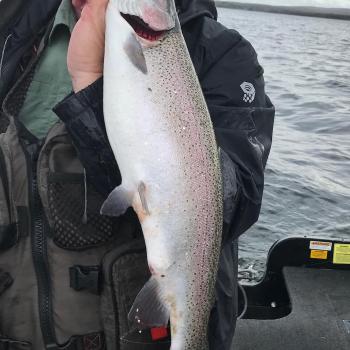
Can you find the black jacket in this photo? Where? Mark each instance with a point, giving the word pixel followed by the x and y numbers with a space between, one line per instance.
pixel 243 123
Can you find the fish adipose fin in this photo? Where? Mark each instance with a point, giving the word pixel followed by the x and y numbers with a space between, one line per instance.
pixel 149 308
pixel 118 201
pixel 142 193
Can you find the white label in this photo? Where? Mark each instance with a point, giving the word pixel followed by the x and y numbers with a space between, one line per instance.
pixel 249 91
pixel 317 245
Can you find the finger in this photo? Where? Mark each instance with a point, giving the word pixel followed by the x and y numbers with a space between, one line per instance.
pixel 78 6
pixel 97 4
pixel 78 3
pixel 95 8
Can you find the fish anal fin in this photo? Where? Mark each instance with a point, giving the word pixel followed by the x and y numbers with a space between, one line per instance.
pixel 149 308
pixel 118 201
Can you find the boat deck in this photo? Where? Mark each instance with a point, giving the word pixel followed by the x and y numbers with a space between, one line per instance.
pixel 320 316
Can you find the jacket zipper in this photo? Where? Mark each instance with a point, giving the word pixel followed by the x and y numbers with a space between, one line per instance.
pixel 2 57
pixel 39 250
pixel 38 223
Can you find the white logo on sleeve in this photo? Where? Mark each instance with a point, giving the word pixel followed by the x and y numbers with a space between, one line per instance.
pixel 249 92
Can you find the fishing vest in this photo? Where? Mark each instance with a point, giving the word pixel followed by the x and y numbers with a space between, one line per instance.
pixel 68 275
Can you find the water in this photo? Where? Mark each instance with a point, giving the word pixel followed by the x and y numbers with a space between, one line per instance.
pixel 307 73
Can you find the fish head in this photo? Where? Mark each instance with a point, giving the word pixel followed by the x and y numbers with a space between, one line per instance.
pixel 150 19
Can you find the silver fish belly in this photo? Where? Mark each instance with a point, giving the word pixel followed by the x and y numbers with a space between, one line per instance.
pixel 161 134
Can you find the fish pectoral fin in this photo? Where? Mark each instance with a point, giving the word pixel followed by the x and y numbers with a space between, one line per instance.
pixel 134 51
pixel 118 201
pixel 149 308
pixel 142 193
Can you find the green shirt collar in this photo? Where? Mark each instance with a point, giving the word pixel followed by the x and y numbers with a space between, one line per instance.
pixel 65 16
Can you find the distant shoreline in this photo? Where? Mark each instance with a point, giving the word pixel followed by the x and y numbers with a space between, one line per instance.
pixel 343 14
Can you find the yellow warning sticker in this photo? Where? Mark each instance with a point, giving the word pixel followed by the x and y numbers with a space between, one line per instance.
pixel 319 254
pixel 341 254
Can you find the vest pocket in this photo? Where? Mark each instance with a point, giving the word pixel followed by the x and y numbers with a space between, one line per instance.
pixel 8 236
pixel 125 271
pixel 74 213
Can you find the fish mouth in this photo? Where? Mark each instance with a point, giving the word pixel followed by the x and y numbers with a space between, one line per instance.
pixel 142 29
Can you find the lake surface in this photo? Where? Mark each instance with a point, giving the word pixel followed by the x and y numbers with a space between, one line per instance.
pixel 307 74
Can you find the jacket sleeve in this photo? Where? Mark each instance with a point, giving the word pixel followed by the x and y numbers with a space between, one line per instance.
pixel 82 114
pixel 243 119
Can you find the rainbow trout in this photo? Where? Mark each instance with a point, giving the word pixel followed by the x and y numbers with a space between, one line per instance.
pixel 162 137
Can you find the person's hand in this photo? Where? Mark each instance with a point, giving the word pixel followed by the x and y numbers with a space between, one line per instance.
pixel 86 46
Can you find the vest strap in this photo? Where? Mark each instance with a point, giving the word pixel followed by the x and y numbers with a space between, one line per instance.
pixel 146 340
pixel 92 341
pixel 11 344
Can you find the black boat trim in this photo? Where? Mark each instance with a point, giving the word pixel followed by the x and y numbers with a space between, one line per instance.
pixel 269 298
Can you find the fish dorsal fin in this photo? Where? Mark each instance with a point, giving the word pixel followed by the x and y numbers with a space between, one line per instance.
pixel 118 201
pixel 149 308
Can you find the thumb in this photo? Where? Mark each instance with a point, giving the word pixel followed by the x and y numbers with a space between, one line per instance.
pixel 93 17
pixel 93 5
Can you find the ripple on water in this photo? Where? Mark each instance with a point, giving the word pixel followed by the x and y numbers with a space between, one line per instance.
pixel 290 96
pixel 317 105
pixel 337 84
pixel 337 129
